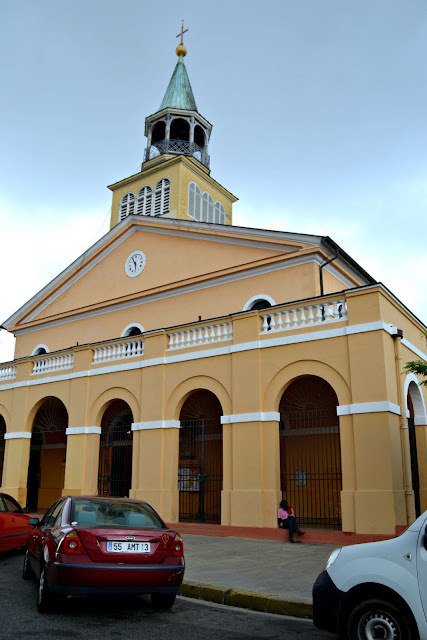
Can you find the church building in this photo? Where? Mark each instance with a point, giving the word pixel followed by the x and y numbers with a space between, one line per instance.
pixel 212 369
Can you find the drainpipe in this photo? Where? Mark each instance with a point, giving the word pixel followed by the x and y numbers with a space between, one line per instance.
pixel 404 433
pixel 334 257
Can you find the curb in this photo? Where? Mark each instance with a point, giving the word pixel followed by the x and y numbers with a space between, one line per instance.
pixel 298 608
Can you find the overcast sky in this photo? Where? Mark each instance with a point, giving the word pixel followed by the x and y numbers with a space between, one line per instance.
pixel 318 107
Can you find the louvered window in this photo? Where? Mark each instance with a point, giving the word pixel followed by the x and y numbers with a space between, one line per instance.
pixel 127 206
pixel 207 208
pixel 194 201
pixel 162 197
pixel 219 213
pixel 143 202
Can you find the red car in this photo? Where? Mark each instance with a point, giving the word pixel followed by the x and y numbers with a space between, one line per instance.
pixel 14 526
pixel 88 545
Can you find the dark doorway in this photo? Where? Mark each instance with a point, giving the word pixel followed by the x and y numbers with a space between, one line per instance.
pixel 310 454
pixel 115 453
pixel 46 468
pixel 34 470
pixel 2 432
pixel 200 459
pixel 414 456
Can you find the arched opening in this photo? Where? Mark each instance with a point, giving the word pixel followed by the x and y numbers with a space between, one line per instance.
pixel 415 406
pixel 133 331
pixel 2 432
pixel 48 448
pixel 199 136
pixel 159 132
pixel 200 458
pixel 115 452
pixel 180 130
pixel 39 351
pixel 310 453
pixel 260 304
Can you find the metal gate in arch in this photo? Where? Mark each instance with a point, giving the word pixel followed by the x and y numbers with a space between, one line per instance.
pixel 115 451
pixel 200 459
pixel 310 453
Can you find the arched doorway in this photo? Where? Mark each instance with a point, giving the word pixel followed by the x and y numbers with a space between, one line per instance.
pixel 310 454
pixel 200 458
pixel 48 447
pixel 115 452
pixel 2 432
pixel 416 411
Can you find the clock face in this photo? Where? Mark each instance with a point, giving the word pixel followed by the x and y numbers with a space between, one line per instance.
pixel 135 264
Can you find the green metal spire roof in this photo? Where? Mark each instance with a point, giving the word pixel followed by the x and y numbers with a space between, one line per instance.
pixel 179 94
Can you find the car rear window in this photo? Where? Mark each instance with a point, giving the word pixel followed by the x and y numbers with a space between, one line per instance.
pixel 114 514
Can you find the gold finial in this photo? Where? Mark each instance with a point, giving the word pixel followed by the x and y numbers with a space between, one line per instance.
pixel 181 50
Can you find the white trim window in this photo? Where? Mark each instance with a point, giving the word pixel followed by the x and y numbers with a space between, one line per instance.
pixel 143 201
pixel 260 301
pixel 40 350
pixel 162 197
pixel 127 206
pixel 207 207
pixel 219 213
pixel 194 201
pixel 202 208
pixel 133 329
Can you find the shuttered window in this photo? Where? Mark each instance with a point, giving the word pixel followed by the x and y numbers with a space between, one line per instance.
pixel 219 213
pixel 143 202
pixel 127 206
pixel 207 208
pixel 194 201
pixel 162 197
pixel 202 208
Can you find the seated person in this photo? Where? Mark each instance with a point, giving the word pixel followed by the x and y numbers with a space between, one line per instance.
pixel 286 519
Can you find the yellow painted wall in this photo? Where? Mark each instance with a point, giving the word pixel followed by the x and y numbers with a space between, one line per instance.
pixel 180 172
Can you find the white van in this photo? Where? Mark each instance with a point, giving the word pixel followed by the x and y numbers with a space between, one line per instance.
pixel 376 590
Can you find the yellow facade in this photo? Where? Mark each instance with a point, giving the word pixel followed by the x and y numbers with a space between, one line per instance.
pixel 228 368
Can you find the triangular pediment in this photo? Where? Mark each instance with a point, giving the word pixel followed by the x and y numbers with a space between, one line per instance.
pixel 177 254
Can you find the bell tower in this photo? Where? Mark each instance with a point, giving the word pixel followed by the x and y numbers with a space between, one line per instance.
pixel 175 180
pixel 177 127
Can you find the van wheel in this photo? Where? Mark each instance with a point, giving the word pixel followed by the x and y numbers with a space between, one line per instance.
pixel 163 601
pixel 376 618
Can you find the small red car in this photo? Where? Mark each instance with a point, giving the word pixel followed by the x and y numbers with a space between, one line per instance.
pixel 88 545
pixel 14 525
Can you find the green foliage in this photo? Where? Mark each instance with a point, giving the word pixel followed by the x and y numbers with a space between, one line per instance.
pixel 419 368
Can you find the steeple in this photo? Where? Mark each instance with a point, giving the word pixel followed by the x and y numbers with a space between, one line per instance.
pixel 177 128
pixel 175 180
pixel 179 94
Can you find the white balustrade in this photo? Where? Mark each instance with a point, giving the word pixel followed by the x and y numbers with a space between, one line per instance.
pixel 53 363
pixel 198 336
pixel 8 372
pixel 310 315
pixel 118 351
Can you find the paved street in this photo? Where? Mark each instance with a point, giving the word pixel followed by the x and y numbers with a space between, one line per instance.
pixel 133 618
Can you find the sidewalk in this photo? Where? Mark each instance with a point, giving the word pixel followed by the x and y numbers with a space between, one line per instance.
pixel 264 575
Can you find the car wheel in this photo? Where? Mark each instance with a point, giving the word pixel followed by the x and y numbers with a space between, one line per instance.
pixel 163 601
pixel 377 619
pixel 27 573
pixel 44 596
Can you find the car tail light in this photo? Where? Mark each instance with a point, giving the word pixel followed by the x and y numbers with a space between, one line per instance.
pixel 72 544
pixel 177 547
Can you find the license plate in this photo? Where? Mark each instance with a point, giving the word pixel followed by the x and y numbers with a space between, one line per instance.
pixel 128 547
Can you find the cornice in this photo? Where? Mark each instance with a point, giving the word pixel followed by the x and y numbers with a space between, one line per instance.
pixel 176 159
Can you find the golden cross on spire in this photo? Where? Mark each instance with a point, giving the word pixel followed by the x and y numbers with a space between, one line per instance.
pixel 182 33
